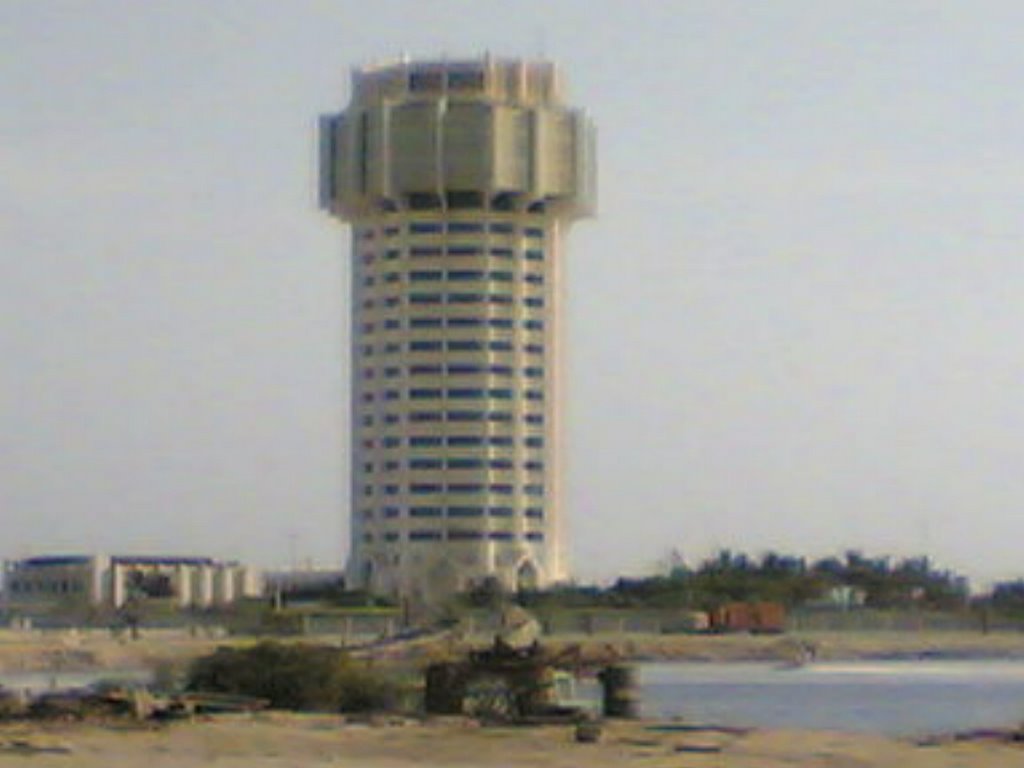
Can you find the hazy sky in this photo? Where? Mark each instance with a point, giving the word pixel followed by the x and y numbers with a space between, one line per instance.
pixel 795 324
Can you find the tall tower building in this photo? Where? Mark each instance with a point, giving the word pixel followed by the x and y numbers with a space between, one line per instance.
pixel 459 179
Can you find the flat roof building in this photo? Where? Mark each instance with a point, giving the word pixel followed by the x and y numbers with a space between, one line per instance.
pixel 58 584
pixel 459 179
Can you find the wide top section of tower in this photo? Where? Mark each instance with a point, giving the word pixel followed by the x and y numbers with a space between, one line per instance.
pixel 483 134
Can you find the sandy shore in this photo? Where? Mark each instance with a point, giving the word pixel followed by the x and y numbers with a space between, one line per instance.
pixel 827 646
pixel 272 740
pixel 276 740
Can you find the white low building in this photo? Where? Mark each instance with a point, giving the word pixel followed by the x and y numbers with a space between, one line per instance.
pixel 69 582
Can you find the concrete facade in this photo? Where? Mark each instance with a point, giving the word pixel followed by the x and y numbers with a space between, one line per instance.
pixel 72 582
pixel 459 179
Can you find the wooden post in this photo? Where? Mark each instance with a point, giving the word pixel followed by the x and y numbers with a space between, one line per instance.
pixel 444 690
pixel 618 684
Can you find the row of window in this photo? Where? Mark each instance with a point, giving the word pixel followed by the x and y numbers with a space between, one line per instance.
pixel 438 345
pixel 456 369
pixel 466 369
pixel 462 369
pixel 453 276
pixel 457 80
pixel 438 251
pixel 503 323
pixel 453 462
pixel 396 301
pixel 454 417
pixel 53 587
pixel 453 393
pixel 434 323
pixel 420 322
pixel 464 275
pixel 390 513
pixel 502 299
pixel 423 489
pixel 457 536
pixel 453 441
pixel 454 228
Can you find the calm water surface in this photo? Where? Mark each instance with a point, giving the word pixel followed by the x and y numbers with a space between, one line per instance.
pixel 894 697
pixel 39 682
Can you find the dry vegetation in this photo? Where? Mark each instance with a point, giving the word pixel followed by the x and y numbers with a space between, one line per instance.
pixel 52 651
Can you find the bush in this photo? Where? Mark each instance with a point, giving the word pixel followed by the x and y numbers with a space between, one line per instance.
pixel 299 677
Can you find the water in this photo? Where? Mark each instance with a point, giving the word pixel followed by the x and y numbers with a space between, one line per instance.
pixel 40 682
pixel 893 697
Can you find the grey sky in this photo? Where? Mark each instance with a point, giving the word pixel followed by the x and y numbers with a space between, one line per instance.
pixel 794 325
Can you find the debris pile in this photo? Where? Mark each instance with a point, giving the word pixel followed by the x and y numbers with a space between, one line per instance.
pixel 505 683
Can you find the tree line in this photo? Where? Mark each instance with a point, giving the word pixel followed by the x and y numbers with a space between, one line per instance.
pixel 853 580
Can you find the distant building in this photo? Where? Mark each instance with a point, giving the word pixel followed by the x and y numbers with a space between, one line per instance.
pixel 69 583
pixel 460 180
pixel 846 596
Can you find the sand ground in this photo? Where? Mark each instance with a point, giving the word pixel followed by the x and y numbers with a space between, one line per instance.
pixel 273 740
pixel 277 740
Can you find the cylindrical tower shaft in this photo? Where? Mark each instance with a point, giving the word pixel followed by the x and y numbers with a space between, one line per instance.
pixel 458 179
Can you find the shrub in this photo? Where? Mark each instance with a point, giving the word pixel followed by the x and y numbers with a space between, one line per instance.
pixel 298 677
